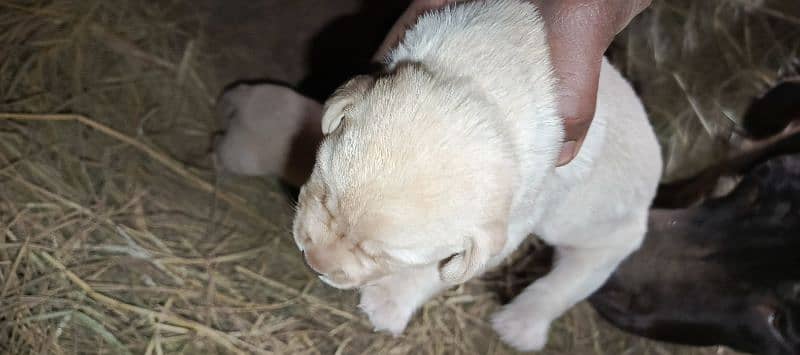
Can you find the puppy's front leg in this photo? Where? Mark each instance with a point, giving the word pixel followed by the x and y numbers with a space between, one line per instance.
pixel 576 274
pixel 391 301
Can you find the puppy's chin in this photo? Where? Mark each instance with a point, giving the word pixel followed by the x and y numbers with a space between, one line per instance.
pixel 341 286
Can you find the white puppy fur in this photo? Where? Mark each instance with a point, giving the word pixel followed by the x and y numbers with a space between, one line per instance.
pixel 251 114
pixel 439 169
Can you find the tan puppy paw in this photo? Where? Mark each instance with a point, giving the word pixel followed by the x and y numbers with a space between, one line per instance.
pixel 520 328
pixel 385 311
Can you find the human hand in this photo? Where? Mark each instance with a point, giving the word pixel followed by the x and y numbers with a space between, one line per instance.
pixel 579 32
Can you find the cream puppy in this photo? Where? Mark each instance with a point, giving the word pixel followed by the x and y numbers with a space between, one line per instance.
pixel 438 169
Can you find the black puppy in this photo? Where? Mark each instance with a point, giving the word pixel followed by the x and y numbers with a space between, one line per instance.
pixel 726 271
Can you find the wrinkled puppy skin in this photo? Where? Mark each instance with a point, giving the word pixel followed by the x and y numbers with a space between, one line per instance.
pixel 436 170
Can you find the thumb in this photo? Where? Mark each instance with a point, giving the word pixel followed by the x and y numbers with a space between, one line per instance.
pixel 579 32
pixel 578 75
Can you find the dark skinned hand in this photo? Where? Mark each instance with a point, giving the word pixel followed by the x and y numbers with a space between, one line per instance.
pixel 579 32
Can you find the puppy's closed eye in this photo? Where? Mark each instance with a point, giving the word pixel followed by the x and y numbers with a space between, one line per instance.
pixel 448 259
pixel 446 265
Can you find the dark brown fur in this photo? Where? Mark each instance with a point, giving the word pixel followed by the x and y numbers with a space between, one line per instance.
pixel 727 271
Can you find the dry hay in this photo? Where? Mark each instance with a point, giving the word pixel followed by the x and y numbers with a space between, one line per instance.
pixel 117 237
pixel 698 64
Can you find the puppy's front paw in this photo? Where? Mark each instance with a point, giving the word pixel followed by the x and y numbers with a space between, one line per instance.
pixel 384 311
pixel 521 328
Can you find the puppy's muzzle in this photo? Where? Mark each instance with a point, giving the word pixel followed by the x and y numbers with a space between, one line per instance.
pixel 330 272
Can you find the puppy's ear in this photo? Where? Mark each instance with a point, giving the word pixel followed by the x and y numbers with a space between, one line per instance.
pixel 478 249
pixel 338 103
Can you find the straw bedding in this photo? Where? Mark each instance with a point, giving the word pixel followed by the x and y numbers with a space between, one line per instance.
pixel 117 236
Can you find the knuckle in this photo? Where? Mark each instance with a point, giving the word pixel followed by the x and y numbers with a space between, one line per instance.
pixel 578 126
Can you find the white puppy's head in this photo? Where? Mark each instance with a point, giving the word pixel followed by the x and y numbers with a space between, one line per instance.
pixel 414 170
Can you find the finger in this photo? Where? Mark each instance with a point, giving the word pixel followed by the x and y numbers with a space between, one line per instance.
pixel 578 70
pixel 576 50
pixel 579 32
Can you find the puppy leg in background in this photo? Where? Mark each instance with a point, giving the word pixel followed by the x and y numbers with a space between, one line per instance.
pixel 576 274
pixel 269 130
pixel 391 301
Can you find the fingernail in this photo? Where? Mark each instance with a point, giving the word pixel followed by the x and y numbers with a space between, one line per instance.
pixel 567 153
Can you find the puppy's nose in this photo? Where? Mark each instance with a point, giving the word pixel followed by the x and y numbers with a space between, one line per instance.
pixel 318 260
